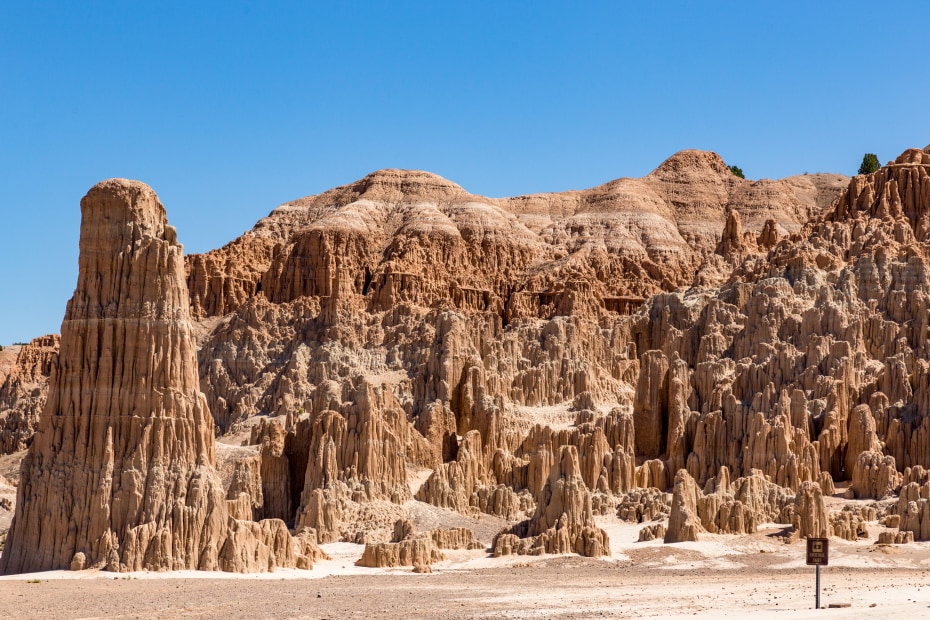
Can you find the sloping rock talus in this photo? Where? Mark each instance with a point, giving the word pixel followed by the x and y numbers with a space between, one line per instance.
pixel 121 472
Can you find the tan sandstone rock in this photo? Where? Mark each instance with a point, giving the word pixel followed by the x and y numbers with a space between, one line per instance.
pixel 684 522
pixel 895 538
pixel 725 507
pixel 914 510
pixel 121 469
pixel 400 325
pixel 407 548
pixel 455 538
pixel 564 520
pixel 810 518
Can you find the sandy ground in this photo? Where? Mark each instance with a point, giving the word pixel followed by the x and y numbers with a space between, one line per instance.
pixel 721 576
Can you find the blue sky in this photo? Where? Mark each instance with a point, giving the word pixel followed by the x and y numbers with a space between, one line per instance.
pixel 230 108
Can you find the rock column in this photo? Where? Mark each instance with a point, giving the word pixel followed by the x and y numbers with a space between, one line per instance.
pixel 121 472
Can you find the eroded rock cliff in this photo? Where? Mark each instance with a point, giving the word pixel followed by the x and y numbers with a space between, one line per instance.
pixel 120 473
pixel 751 347
pixel 456 333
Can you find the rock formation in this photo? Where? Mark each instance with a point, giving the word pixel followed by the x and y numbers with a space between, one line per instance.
pixel 684 522
pixel 24 375
pixel 914 510
pixel 641 505
pixel 455 538
pixel 563 522
pixel 750 346
pixel 725 507
pixel 407 548
pixel 875 476
pixel 810 518
pixel 810 363
pixel 7 505
pixel 652 532
pixel 850 523
pixel 416 552
pixel 120 474
pixel 895 538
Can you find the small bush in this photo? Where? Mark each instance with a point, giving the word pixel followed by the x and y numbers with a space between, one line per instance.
pixel 869 163
pixel 737 171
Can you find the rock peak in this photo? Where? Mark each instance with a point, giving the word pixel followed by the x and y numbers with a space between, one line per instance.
pixel 692 162
pixel 914 156
pixel 123 201
pixel 396 185
pixel 899 190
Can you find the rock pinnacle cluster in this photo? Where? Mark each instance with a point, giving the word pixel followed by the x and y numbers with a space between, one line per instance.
pixel 692 351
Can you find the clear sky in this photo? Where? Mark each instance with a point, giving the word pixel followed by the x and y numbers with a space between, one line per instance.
pixel 230 108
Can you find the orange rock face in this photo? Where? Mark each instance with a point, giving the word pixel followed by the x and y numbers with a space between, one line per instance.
pixel 120 474
pixel 545 359
pixel 474 315
pixel 404 236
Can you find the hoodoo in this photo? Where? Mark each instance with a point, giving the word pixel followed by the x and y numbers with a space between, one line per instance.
pixel 121 472
pixel 692 351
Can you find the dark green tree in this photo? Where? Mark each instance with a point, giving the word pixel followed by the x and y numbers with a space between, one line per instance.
pixel 737 171
pixel 869 163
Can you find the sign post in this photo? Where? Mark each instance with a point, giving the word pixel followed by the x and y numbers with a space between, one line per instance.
pixel 818 554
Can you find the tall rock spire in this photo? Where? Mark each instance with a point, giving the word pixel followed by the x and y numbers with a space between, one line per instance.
pixel 121 473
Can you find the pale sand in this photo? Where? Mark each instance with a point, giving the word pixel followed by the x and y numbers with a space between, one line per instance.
pixel 721 576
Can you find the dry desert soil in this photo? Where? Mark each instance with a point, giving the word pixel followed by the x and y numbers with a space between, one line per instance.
pixel 720 576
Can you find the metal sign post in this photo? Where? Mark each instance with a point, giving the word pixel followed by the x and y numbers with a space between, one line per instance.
pixel 817 600
pixel 818 554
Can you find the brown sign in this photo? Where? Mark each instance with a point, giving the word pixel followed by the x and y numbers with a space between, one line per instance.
pixel 818 551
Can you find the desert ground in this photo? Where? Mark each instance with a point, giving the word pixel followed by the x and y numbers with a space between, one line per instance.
pixel 720 576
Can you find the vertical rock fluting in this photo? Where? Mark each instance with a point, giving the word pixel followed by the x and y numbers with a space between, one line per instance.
pixel 401 324
pixel 563 522
pixel 810 518
pixel 684 523
pixel 724 508
pixel 121 472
